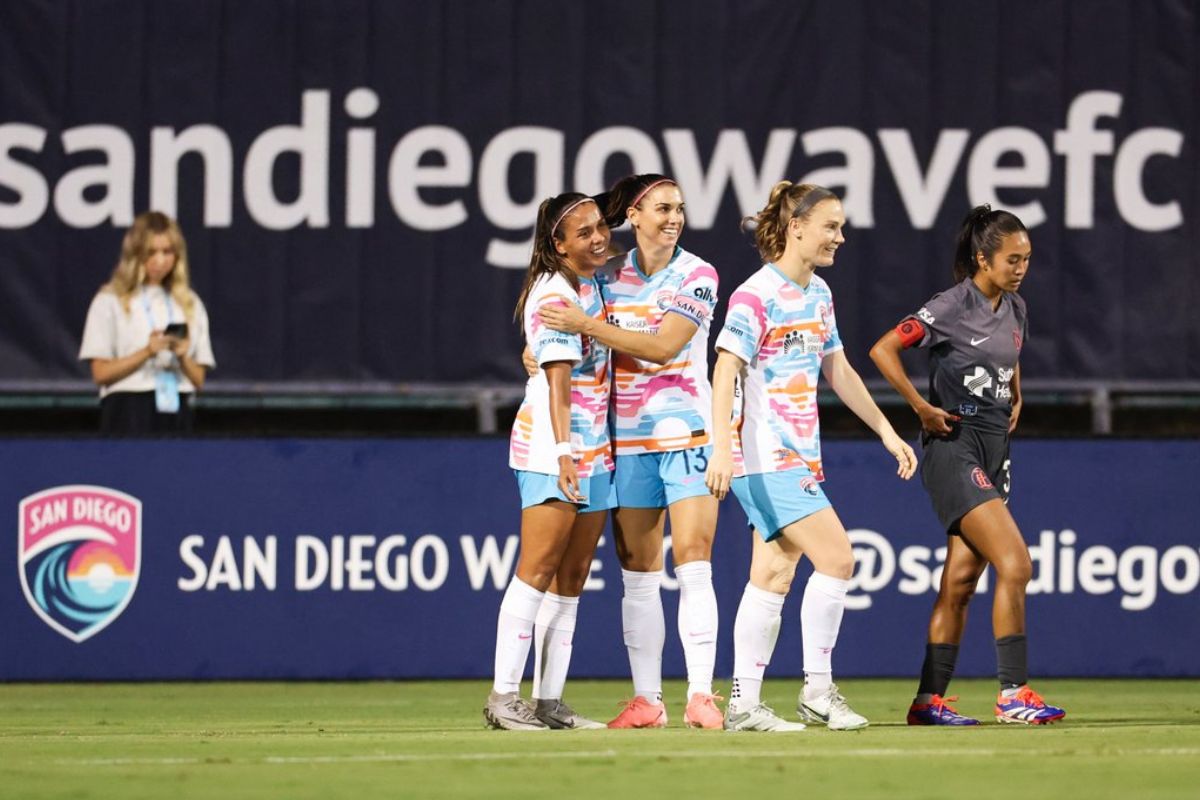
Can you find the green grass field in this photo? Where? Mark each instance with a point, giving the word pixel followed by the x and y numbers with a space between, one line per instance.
pixel 1126 739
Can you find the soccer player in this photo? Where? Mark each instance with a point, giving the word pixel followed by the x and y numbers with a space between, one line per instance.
pixel 779 333
pixel 562 457
pixel 660 304
pixel 974 332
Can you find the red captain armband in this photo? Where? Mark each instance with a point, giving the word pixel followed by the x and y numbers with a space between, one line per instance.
pixel 910 332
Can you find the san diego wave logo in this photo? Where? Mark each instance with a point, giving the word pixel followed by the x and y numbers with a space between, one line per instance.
pixel 79 550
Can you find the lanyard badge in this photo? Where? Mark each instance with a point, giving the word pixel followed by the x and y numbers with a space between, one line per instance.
pixel 166 381
pixel 166 392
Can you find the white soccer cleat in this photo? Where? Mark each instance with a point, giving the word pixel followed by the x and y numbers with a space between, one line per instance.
pixel 759 718
pixel 558 715
pixel 831 710
pixel 509 712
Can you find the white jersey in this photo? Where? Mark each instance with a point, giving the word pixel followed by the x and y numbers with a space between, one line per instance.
pixel 532 446
pixel 782 331
pixel 661 408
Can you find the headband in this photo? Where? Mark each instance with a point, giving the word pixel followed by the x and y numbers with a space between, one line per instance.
pixel 568 210
pixel 646 191
pixel 815 195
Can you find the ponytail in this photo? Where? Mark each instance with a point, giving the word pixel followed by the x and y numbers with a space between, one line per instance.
pixel 628 193
pixel 982 232
pixel 788 201
pixel 545 259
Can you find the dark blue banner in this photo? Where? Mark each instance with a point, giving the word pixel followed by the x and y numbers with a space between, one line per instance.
pixel 387 559
pixel 358 180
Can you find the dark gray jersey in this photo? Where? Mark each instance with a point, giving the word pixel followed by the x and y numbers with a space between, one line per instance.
pixel 973 353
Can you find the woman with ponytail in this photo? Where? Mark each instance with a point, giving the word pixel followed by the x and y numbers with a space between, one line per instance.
pixel 780 334
pixel 974 332
pixel 562 457
pixel 660 302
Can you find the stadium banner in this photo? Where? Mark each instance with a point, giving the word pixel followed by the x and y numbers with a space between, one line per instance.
pixel 356 176
pixel 388 559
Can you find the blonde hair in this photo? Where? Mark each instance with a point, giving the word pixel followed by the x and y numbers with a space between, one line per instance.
pixel 130 272
pixel 788 201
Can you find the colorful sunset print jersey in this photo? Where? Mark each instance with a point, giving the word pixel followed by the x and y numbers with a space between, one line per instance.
pixel 532 445
pixel 782 331
pixel 661 408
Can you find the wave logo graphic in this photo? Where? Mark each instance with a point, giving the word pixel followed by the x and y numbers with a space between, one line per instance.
pixel 80 552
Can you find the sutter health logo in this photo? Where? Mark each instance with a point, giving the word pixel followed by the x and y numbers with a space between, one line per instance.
pixel 79 550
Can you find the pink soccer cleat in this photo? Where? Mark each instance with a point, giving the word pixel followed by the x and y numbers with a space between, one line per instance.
pixel 702 712
pixel 641 713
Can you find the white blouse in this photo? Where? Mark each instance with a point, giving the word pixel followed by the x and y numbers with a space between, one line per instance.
pixel 111 332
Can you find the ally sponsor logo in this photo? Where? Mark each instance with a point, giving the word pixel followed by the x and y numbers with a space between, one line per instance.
pixel 80 551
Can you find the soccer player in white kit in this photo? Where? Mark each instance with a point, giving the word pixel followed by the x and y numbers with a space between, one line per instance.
pixel 562 456
pixel 660 301
pixel 779 334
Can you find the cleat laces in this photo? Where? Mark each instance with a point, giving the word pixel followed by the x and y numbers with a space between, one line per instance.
pixel 942 704
pixel 1030 698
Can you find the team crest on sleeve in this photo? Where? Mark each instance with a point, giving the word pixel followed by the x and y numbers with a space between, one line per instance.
pixel 1017 340
pixel 79 550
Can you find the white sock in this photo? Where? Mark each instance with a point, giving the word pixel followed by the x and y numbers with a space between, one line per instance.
pixel 755 631
pixel 698 624
pixel 553 637
pixel 645 630
pixel 745 694
pixel 514 634
pixel 820 619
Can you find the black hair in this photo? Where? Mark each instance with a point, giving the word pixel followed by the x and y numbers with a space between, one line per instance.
pixel 545 259
pixel 629 191
pixel 982 231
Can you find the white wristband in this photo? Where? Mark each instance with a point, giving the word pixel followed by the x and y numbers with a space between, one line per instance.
pixel 563 449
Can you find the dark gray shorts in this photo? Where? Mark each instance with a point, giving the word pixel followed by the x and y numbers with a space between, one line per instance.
pixel 964 470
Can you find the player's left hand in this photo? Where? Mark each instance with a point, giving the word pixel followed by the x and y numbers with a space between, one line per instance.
pixel 1016 412
pixel 179 347
pixel 567 317
pixel 905 457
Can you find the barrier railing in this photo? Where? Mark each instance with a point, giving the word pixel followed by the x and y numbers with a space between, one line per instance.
pixel 1103 398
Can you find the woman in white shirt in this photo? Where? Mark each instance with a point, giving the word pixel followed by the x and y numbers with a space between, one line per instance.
pixel 146 334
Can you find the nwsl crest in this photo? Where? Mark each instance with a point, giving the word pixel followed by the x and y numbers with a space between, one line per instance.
pixel 79 549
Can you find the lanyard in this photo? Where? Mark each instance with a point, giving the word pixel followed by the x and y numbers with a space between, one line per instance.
pixel 150 314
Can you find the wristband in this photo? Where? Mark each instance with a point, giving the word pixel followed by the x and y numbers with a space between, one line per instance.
pixel 563 449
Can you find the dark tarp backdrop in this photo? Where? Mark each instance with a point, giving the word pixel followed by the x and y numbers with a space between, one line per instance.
pixel 357 179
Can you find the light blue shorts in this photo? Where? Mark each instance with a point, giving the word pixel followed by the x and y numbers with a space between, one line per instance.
pixel 598 490
pixel 656 480
pixel 774 500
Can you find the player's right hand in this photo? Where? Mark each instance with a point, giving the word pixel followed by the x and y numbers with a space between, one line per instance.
pixel 936 420
pixel 719 473
pixel 568 479
pixel 158 342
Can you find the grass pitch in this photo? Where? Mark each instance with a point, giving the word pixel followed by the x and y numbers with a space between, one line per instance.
pixel 1121 739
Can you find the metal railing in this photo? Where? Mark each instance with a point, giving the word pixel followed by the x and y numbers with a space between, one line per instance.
pixel 1103 398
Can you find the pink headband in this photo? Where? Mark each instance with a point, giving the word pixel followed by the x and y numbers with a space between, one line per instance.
pixel 646 191
pixel 568 210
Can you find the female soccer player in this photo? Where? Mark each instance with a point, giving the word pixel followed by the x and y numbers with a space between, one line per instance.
pixel 561 453
pixel 660 305
pixel 974 333
pixel 779 332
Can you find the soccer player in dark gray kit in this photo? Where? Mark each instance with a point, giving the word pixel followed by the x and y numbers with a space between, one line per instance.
pixel 974 332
